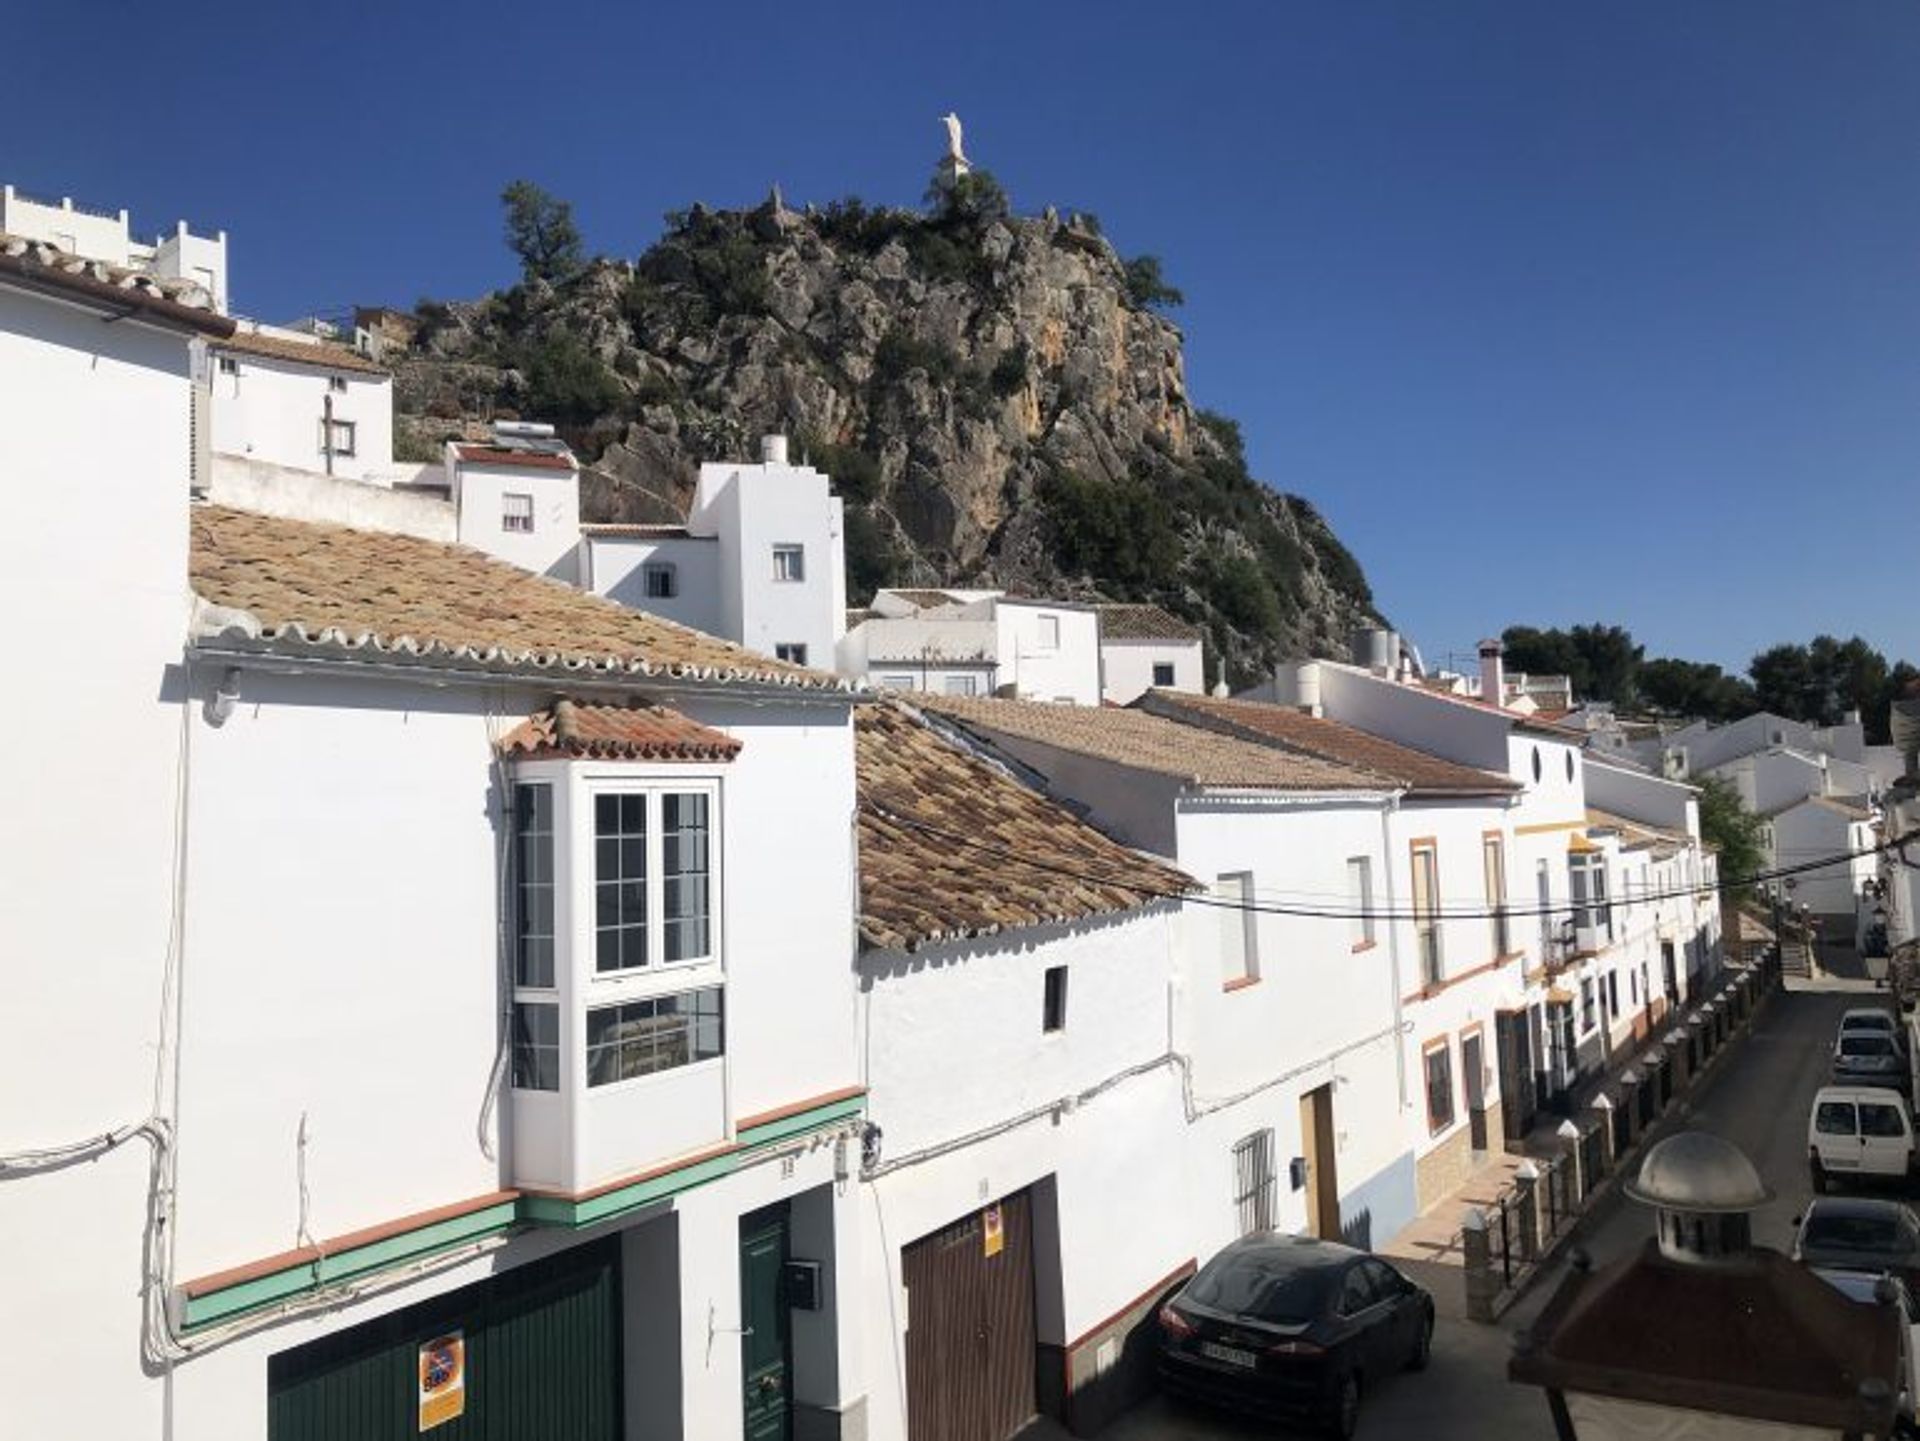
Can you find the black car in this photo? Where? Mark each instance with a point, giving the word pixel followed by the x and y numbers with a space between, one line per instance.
pixel 1292 1328
pixel 1859 1234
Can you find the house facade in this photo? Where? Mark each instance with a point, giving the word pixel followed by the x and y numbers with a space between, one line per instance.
pixel 1144 648
pixel 1293 1066
pixel 977 643
pixel 178 258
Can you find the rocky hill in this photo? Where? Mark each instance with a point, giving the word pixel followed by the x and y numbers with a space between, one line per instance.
pixel 997 399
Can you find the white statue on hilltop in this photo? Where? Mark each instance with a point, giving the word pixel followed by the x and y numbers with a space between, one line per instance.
pixel 955 152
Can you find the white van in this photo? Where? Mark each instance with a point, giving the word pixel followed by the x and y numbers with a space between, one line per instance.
pixel 1858 1131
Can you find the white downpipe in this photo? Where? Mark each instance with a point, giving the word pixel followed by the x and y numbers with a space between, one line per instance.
pixel 1393 946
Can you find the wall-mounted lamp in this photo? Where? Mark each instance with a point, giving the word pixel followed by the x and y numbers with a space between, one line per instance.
pixel 226 695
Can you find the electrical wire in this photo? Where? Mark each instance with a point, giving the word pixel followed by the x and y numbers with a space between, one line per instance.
pixel 1444 911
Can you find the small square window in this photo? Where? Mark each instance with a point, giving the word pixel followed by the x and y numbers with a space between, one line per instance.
pixel 660 581
pixel 1053 1015
pixel 791 651
pixel 1163 673
pixel 337 437
pixel 228 365
pixel 789 562
pixel 1049 632
pixel 337 384
pixel 516 512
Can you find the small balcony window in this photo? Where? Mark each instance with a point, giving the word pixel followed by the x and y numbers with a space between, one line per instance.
pixel 536 1046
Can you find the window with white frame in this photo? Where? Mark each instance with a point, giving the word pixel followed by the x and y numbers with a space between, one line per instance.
pixel 229 365
pixel 659 580
pixel 516 512
pixel 1543 899
pixel 789 562
pixel 533 886
pixel 337 437
pixel 960 685
pixel 640 838
pixel 1360 899
pixel 659 1033
pixel 894 680
pixel 1493 853
pixel 1239 936
pixel 792 651
pixel 337 384
pixel 1163 673
pixel 1253 1182
pixel 536 1046
pixel 1049 632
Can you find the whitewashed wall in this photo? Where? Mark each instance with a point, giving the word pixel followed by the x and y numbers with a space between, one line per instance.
pixel 1040 670
pixel 614 566
pixel 551 547
pixel 1126 667
pixel 751 509
pixel 271 410
pixel 98 469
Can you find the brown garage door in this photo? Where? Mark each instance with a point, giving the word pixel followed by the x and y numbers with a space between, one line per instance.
pixel 970 1347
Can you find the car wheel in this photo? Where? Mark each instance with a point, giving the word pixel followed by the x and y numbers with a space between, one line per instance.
pixel 1345 1418
pixel 1422 1345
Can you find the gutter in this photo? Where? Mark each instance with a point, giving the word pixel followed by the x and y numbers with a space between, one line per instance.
pixel 125 303
pixel 559 678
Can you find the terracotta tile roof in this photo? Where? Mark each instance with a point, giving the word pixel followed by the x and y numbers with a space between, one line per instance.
pixel 523 459
pixel 1417 771
pixel 305 588
pixel 1636 835
pixel 1153 743
pixel 179 303
pixel 1143 622
pixel 300 352
pixel 617 732
pixel 951 846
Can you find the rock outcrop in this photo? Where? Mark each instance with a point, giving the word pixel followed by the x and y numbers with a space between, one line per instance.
pixel 994 401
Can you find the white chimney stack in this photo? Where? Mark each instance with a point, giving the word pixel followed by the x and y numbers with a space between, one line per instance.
pixel 1493 673
pixel 773 450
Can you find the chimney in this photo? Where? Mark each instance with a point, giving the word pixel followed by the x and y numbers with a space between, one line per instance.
pixel 1493 673
pixel 773 450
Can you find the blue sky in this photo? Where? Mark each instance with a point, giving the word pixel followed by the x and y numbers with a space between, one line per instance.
pixel 1559 312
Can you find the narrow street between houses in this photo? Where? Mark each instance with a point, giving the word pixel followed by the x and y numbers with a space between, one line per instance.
pixel 1758 1100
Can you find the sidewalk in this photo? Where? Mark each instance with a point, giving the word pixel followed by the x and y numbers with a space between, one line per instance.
pixel 1434 1235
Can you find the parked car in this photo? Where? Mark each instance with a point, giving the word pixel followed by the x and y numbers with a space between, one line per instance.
pixel 1858 1131
pixel 1869 1058
pixel 1876 1021
pixel 1859 1234
pixel 1870 1287
pixel 1288 1327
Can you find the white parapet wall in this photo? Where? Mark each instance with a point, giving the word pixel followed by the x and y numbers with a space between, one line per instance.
pixel 403 505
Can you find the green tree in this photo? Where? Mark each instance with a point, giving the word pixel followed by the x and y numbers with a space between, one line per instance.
pixel 540 230
pixel 974 199
pixel 1730 828
pixel 1146 286
pixel 1601 660
pixel 566 382
pixel 1693 688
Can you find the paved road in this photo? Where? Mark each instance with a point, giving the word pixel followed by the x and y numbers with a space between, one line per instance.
pixel 1759 1100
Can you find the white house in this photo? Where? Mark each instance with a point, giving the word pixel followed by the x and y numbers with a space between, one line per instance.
pixel 761 559
pixel 518 497
pixel 104 235
pixel 281 401
pixel 1298 1090
pixel 465 973
pixel 1562 1024
pixel 1025 1105
pixel 977 642
pixel 1143 648
pixel 99 365
pixel 1438 900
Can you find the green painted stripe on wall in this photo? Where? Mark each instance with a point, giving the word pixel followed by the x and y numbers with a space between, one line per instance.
pixel 398 1250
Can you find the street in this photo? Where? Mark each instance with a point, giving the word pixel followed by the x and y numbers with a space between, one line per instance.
pixel 1759 1100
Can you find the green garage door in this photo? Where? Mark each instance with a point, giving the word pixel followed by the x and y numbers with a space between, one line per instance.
pixel 537 1357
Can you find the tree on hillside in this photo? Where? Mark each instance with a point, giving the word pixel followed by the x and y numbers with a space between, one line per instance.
pixel 540 230
pixel 1601 660
pixel 975 198
pixel 1146 286
pixel 1694 688
pixel 1820 682
pixel 1730 828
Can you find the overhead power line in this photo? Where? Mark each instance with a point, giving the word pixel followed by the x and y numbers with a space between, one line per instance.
pixel 1447 911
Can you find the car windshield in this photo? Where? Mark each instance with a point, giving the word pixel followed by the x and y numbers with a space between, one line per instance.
pixel 1834 1118
pixel 1852 1233
pixel 1866 1021
pixel 1265 1288
pixel 1860 1044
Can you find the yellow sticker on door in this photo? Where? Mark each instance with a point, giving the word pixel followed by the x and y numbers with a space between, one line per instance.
pixel 443 1379
pixel 993 1237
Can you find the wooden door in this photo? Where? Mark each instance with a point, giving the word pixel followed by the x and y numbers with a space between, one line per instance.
pixel 1513 1045
pixel 1474 1068
pixel 970 1330
pixel 1323 1180
pixel 765 1347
